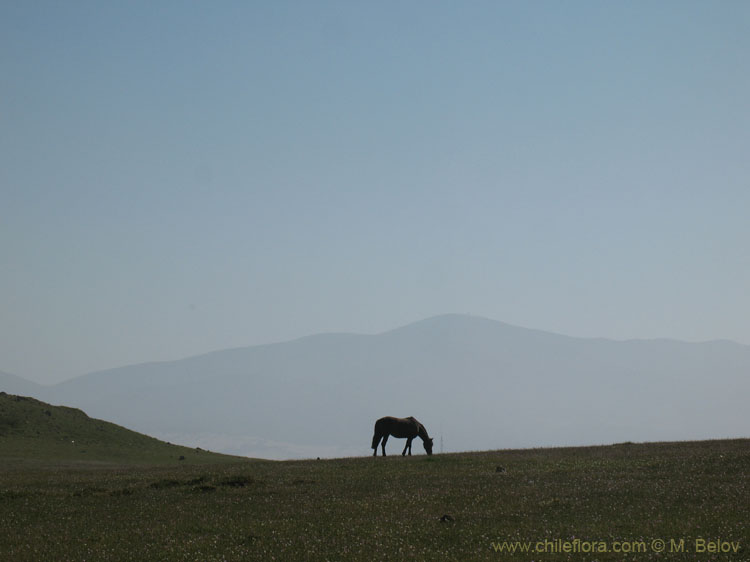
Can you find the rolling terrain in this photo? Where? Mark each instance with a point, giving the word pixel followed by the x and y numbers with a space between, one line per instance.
pixel 76 488
pixel 656 501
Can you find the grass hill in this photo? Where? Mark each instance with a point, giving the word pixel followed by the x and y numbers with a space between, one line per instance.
pixel 34 432
pixel 638 502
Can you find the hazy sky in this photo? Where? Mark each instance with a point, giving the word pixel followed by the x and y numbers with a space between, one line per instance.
pixel 179 177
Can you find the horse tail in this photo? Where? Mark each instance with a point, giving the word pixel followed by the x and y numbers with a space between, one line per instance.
pixel 376 436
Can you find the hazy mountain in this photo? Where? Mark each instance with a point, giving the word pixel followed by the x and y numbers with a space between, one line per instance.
pixel 17 385
pixel 477 383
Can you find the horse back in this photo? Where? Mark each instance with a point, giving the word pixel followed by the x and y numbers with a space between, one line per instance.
pixel 398 427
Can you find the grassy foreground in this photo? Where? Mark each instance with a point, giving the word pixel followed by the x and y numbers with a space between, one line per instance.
pixel 474 506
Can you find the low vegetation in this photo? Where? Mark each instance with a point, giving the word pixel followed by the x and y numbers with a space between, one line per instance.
pixel 469 506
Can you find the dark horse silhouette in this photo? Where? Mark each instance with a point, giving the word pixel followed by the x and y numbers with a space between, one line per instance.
pixel 408 428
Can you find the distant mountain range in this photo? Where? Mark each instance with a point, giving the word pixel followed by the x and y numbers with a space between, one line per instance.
pixel 16 385
pixel 474 383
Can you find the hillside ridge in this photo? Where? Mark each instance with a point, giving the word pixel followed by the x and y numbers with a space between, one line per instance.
pixel 34 430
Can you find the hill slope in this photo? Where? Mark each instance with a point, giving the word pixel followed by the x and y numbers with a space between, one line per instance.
pixel 31 431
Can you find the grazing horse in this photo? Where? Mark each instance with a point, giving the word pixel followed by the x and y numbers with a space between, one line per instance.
pixel 408 428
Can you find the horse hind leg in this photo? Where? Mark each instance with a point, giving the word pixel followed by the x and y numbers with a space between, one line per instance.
pixel 382 443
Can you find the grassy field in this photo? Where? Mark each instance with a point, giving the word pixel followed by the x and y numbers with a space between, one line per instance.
pixel 568 504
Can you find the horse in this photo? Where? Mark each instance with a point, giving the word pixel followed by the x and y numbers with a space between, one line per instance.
pixel 408 428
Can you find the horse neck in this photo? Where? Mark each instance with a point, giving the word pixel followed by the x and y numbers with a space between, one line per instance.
pixel 422 432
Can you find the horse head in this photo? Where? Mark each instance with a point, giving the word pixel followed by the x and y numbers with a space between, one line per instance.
pixel 427 445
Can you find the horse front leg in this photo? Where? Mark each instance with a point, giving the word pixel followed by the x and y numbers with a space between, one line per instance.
pixel 407 446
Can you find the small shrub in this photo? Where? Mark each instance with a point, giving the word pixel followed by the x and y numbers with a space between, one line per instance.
pixel 236 481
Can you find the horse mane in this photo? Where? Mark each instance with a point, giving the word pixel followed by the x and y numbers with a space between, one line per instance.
pixel 421 431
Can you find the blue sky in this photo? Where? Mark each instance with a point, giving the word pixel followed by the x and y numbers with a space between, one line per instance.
pixel 179 177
